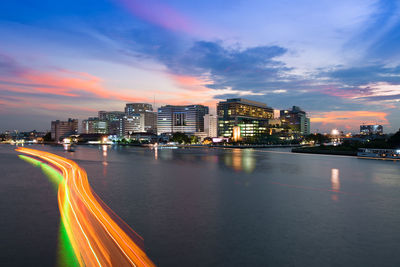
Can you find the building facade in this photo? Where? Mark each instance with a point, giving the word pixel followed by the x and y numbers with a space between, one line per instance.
pixel 114 121
pixel 245 118
pixel 186 119
pixel 150 117
pixel 95 126
pixel 210 125
pixel 61 129
pixel 296 120
pixel 132 124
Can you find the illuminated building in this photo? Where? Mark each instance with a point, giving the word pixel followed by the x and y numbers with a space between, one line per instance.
pixel 250 116
pixel 60 129
pixel 133 124
pixel 371 129
pixel 94 126
pixel 296 120
pixel 114 121
pixel 210 125
pixel 186 119
pixel 150 117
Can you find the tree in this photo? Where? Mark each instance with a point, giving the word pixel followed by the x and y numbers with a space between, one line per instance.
pixel 394 140
pixel 180 138
pixel 47 137
pixel 194 139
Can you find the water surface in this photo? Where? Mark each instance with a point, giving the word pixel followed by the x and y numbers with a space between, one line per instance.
pixel 216 207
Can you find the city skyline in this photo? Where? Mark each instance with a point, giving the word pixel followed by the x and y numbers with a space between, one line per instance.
pixel 337 60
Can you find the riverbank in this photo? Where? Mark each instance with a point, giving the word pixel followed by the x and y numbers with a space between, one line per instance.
pixel 329 150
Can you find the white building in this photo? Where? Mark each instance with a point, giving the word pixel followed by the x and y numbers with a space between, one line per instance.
pixel 210 125
pixel 133 124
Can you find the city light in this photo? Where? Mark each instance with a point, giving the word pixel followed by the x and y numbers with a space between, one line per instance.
pixel 335 132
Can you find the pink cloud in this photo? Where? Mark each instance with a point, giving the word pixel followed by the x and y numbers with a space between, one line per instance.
pixel 158 13
pixel 347 119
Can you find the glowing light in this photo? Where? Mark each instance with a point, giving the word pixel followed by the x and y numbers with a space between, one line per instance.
pixel 335 132
pixel 95 232
pixel 236 133
pixel 67 141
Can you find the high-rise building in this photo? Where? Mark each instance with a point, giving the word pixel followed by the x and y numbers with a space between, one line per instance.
pixel 186 119
pixel 210 125
pixel 114 121
pixel 371 129
pixel 296 119
pixel 150 117
pixel 60 129
pixel 132 124
pixel 95 126
pixel 249 116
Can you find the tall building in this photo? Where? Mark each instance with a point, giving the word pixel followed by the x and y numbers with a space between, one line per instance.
pixel 114 121
pixel 95 126
pixel 245 118
pixel 150 117
pixel 210 125
pixel 132 124
pixel 186 119
pixel 296 119
pixel 371 129
pixel 60 129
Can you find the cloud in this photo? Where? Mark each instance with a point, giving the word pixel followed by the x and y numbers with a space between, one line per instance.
pixel 349 120
pixel 59 82
pixel 158 13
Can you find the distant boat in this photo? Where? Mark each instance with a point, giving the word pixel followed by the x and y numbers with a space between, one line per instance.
pixel 376 153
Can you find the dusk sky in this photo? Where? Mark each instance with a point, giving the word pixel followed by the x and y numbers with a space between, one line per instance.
pixel 338 60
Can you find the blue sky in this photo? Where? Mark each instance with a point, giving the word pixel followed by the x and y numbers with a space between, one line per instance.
pixel 338 60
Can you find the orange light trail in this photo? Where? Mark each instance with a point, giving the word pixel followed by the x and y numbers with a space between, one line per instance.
pixel 95 232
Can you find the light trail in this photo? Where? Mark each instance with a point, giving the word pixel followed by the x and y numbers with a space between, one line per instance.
pixel 95 232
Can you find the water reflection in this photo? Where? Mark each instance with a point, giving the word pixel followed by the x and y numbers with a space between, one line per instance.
pixel 335 181
pixel 241 160
pixel 105 163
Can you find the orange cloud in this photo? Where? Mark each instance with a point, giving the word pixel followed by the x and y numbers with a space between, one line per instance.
pixel 348 119
pixel 191 83
pixel 63 83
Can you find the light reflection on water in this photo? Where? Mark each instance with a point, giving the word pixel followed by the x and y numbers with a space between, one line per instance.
pixel 222 207
pixel 240 160
pixel 335 183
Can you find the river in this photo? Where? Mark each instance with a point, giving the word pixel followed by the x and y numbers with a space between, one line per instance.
pixel 215 207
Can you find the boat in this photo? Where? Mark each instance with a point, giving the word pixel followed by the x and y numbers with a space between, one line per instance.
pixel 378 153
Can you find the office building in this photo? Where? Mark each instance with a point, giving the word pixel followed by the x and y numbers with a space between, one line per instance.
pixel 371 129
pixel 296 120
pixel 245 118
pixel 186 119
pixel 95 126
pixel 114 121
pixel 132 124
pixel 61 129
pixel 150 117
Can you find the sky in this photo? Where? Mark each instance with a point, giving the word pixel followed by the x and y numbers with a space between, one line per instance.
pixel 338 60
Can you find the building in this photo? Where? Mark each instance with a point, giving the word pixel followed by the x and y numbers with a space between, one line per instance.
pixel 249 116
pixel 296 120
pixel 114 121
pixel 132 124
pixel 60 129
pixel 371 129
pixel 186 119
pixel 210 125
pixel 95 126
pixel 150 117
